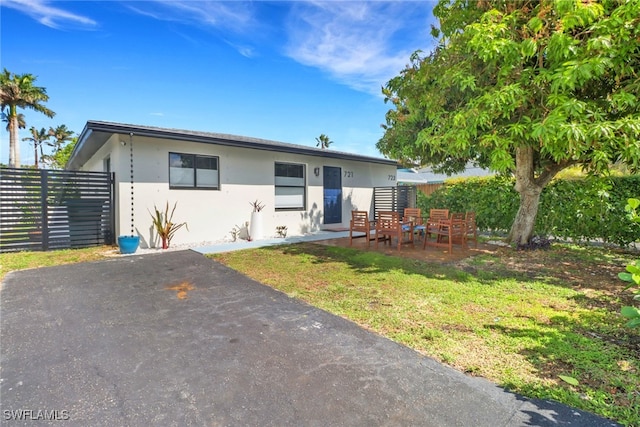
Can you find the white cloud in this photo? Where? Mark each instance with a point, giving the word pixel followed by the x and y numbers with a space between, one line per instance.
pixel 362 44
pixel 243 49
pixel 235 17
pixel 228 15
pixel 44 12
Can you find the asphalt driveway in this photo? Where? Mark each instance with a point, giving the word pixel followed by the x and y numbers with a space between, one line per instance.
pixel 177 339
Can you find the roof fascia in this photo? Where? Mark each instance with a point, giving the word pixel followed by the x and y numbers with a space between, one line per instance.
pixel 93 127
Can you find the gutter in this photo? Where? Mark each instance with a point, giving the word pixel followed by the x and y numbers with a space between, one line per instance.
pixel 212 138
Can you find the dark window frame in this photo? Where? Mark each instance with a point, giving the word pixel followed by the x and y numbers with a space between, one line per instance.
pixel 303 186
pixel 195 174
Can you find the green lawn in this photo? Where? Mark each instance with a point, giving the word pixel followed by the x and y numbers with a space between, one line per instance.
pixel 522 320
pixel 20 260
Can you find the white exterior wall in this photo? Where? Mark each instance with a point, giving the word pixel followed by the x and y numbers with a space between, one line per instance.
pixel 245 175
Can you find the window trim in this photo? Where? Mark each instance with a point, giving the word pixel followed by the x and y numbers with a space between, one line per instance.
pixel 195 174
pixel 303 186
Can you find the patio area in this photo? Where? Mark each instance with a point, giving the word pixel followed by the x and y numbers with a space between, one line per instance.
pixel 340 237
pixel 415 250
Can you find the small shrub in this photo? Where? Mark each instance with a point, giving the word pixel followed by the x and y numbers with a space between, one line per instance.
pixel 235 232
pixel 632 275
pixel 257 205
pixel 240 232
pixel 164 225
pixel 281 230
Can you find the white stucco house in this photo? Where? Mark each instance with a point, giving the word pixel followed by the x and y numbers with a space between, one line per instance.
pixel 214 178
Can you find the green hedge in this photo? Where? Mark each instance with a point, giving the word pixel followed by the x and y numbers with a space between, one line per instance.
pixel 585 209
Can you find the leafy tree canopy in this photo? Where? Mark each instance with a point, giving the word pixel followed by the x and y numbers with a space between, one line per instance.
pixel 522 87
pixel 61 155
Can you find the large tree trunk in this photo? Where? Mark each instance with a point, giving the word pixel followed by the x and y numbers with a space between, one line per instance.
pixel 529 187
pixel 525 221
pixel 14 148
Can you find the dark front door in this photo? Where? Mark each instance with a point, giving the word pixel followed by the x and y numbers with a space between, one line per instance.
pixel 332 181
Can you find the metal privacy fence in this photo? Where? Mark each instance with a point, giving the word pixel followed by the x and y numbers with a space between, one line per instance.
pixel 51 209
pixel 394 198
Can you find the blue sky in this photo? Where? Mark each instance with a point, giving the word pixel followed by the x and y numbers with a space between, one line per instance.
pixel 287 71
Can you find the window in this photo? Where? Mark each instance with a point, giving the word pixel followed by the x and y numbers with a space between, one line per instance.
pixel 193 171
pixel 290 186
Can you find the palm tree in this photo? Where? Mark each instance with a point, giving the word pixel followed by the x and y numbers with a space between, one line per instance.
pixel 38 138
pixel 61 135
pixel 21 123
pixel 18 91
pixel 323 141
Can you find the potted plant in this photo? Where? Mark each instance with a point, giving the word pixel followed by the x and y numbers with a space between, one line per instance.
pixel 281 231
pixel 255 227
pixel 164 225
pixel 128 244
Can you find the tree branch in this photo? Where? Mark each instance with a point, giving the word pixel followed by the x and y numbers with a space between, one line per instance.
pixel 552 170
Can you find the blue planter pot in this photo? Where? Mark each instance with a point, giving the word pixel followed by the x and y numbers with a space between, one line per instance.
pixel 128 244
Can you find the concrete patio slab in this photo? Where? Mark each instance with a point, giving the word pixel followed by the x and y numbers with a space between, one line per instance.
pixel 244 244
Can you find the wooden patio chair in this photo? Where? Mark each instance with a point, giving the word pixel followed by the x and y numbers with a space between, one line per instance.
pixel 389 225
pixel 414 216
pixel 471 231
pixel 432 223
pixel 360 223
pixel 447 232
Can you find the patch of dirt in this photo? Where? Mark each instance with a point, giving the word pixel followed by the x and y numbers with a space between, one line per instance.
pixel 181 289
pixel 598 274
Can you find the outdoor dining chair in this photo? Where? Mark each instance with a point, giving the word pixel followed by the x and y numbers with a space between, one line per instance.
pixel 389 225
pixel 471 232
pixel 432 222
pixel 414 216
pixel 360 223
pixel 447 232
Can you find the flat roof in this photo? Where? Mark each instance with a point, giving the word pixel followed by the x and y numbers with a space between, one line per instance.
pixel 96 133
